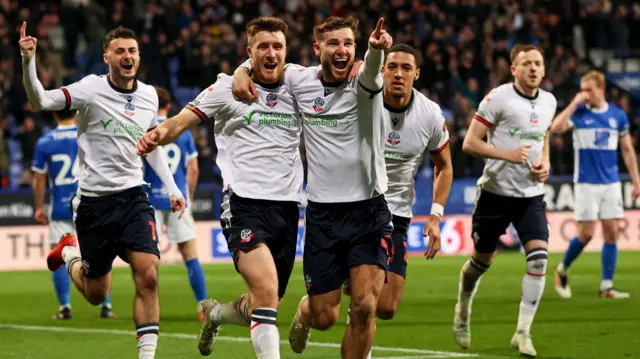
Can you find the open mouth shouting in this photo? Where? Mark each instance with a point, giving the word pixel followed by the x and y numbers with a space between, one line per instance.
pixel 340 66
pixel 127 67
pixel 270 66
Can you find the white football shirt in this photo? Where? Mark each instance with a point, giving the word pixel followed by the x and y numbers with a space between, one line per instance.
pixel 410 131
pixel 260 140
pixel 343 132
pixel 515 120
pixel 110 123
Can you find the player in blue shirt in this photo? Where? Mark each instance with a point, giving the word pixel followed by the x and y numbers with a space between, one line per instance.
pixel 598 128
pixel 55 157
pixel 182 157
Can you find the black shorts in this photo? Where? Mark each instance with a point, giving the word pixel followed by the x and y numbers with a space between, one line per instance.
pixel 494 213
pixel 398 262
pixel 247 222
pixel 108 225
pixel 340 236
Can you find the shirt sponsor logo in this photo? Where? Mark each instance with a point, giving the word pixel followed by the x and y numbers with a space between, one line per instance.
pixel 396 155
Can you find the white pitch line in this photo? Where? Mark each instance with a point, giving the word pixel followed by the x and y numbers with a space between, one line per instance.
pixel 424 353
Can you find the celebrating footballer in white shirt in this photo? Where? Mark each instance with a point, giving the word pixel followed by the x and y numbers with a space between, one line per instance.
pixel 516 118
pixel 112 214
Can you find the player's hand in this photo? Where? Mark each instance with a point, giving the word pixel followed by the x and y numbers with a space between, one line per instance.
pixel 519 155
pixel 380 39
pixel 147 143
pixel 432 231
pixel 355 69
pixel 540 171
pixel 243 89
pixel 40 216
pixel 635 192
pixel 178 205
pixel 27 43
pixel 581 97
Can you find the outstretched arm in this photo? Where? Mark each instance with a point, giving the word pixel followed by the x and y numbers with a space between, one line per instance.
pixel 370 75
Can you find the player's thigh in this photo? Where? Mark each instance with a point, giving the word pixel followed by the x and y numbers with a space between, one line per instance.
pixel 611 202
pixel 588 198
pixel 390 296
pixel 367 281
pixel 325 308
pixel 257 267
pixel 95 234
pixel 144 267
pixel 59 228
pixel 490 219
pixel 531 221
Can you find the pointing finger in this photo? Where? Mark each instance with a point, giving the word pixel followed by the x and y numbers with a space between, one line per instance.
pixel 378 31
pixel 23 30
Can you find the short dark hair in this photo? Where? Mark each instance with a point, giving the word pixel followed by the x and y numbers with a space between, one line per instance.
pixel 118 33
pixel 333 23
pixel 65 114
pixel 518 48
pixel 406 49
pixel 164 97
pixel 265 23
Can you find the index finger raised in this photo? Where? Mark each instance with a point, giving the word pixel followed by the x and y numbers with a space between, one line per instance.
pixel 378 29
pixel 23 30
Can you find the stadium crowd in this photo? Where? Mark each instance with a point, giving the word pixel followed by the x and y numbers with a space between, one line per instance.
pixel 465 46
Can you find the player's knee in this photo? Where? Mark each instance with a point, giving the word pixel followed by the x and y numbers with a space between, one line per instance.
pixel 96 298
pixel 537 261
pixel 362 309
pixel 147 280
pixel 325 318
pixel 386 311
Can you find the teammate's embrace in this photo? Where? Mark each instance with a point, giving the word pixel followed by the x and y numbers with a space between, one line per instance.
pixel 112 214
pixel 598 128
pixel 56 154
pixel 516 118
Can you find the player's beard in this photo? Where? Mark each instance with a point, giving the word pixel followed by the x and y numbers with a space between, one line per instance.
pixel 328 68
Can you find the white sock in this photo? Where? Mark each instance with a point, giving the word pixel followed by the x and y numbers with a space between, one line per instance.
pixel 233 312
pixel 69 253
pixel 470 275
pixel 532 288
pixel 265 336
pixel 606 284
pixel 147 340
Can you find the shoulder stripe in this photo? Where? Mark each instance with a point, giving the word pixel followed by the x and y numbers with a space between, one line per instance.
pixel 198 113
pixel 485 122
pixel 440 149
pixel 67 98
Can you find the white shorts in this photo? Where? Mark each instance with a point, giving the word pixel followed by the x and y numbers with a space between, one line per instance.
pixel 178 230
pixel 58 228
pixel 598 201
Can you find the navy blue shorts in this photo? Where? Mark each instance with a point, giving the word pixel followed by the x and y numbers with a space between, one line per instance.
pixel 398 263
pixel 109 225
pixel 494 213
pixel 340 236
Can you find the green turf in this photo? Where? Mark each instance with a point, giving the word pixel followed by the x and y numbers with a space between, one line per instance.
pixel 584 327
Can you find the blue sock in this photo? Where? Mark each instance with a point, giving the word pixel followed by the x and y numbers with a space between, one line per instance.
pixel 574 250
pixel 608 257
pixel 196 278
pixel 107 302
pixel 62 284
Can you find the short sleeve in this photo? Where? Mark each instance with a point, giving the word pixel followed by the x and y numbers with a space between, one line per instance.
pixel 623 123
pixel 488 110
pixel 440 135
pixel 39 162
pixel 216 100
pixel 78 94
pixel 294 74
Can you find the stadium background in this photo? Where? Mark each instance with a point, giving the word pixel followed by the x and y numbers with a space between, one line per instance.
pixel 465 47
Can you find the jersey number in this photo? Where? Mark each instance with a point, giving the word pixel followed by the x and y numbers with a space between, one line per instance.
pixel 64 176
pixel 174 154
pixel 602 139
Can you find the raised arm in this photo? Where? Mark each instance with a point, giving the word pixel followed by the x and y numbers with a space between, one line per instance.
pixel 39 98
pixel 370 76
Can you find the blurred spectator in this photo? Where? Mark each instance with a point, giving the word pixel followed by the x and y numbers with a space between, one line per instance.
pixel 184 44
